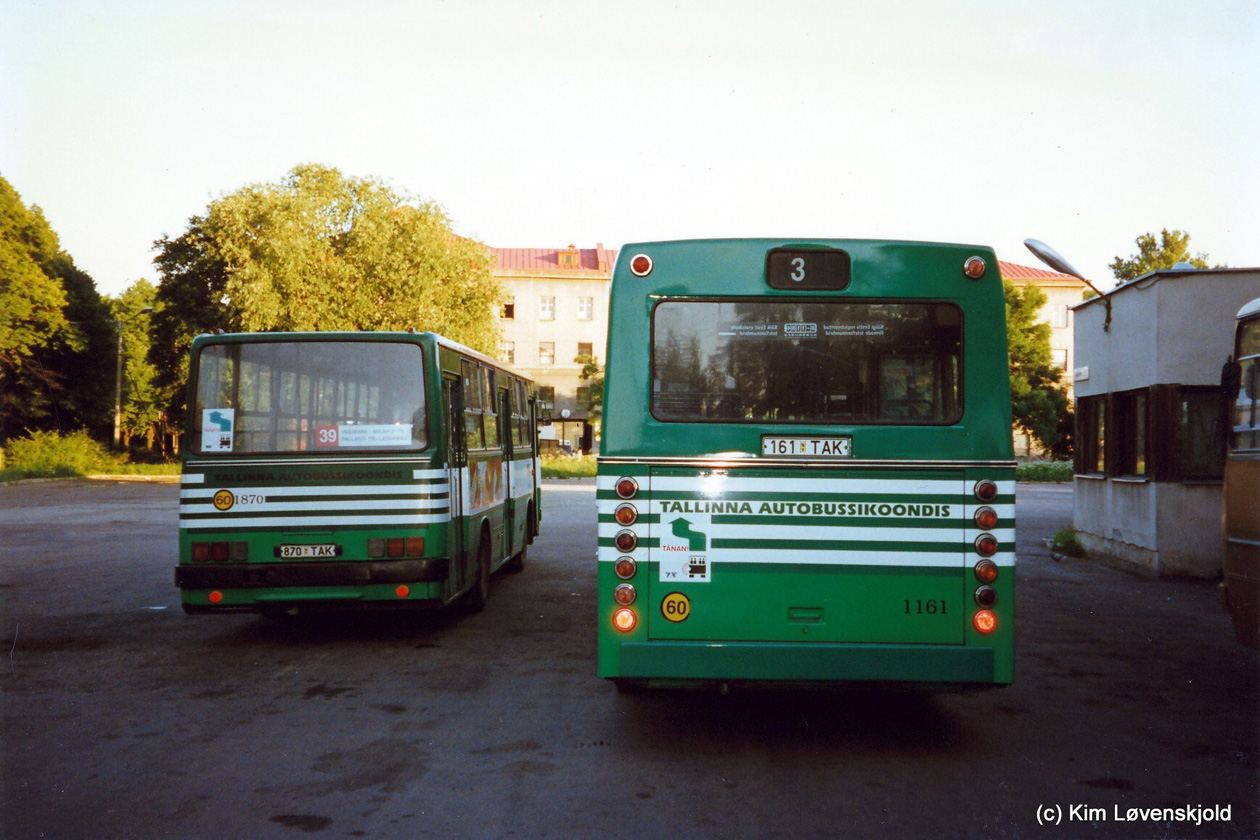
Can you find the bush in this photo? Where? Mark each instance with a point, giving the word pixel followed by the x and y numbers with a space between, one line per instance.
pixel 1044 471
pixel 1064 542
pixel 48 454
pixel 566 466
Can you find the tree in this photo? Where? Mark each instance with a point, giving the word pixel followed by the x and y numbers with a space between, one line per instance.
pixel 1039 400
pixel 1173 247
pixel 593 376
pixel 320 251
pixel 142 403
pixel 54 329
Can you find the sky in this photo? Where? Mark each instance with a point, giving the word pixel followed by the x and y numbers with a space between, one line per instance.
pixel 539 124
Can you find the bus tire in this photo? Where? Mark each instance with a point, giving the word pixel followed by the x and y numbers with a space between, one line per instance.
pixel 516 564
pixel 480 593
pixel 531 525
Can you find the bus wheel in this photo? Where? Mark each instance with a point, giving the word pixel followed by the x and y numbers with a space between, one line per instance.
pixel 516 564
pixel 480 593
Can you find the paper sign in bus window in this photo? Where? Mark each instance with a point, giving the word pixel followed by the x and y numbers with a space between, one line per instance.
pixel 217 426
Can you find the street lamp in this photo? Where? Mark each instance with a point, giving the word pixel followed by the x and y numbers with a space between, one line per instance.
pixel 118 323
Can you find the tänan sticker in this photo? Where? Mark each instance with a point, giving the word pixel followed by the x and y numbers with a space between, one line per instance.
pixel 684 548
pixel 217 425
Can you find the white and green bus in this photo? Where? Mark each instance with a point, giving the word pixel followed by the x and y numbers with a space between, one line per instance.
pixel 352 469
pixel 806 470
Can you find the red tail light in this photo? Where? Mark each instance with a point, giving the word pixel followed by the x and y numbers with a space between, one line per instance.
pixel 986 518
pixel 627 488
pixel 625 514
pixel 986 490
pixel 986 545
pixel 984 621
pixel 986 571
pixel 626 568
pixel 624 620
pixel 626 541
pixel 625 594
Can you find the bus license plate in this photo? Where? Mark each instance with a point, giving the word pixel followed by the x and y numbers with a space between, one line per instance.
pixel 295 552
pixel 807 447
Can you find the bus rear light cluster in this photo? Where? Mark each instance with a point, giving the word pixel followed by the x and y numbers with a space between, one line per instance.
pixel 986 518
pixel 220 552
pixel 625 619
pixel 382 547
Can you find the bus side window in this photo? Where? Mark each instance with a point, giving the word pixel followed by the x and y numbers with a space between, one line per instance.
pixel 489 411
pixel 472 406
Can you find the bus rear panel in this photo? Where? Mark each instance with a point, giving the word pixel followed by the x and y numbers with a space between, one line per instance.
pixel 806 469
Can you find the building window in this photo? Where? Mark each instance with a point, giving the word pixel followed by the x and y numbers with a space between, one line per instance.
pixel 571 258
pixel 546 399
pixel 546 352
pixel 1059 315
pixel 1131 424
pixel 1060 358
pixel 585 348
pixel 507 351
pixel 508 312
pixel 547 308
pixel 1091 437
pixel 1202 438
pixel 584 397
pixel 586 308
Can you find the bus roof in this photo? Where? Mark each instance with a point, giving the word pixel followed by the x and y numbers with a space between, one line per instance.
pixel 360 335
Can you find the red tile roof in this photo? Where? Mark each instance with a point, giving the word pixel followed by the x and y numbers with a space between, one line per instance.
pixel 598 258
pixel 1011 271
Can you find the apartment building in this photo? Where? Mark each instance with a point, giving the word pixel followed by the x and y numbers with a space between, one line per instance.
pixel 555 312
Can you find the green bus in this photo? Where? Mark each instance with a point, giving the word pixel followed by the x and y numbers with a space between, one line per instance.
pixel 806 471
pixel 349 469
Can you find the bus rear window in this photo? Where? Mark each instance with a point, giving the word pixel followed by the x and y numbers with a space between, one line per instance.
pixel 814 362
pixel 299 396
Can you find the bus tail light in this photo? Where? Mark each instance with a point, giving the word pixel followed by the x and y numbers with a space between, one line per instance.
pixel 986 545
pixel 626 514
pixel 415 546
pixel 624 619
pixel 626 541
pixel 220 552
pixel 625 568
pixel 627 488
pixel 984 621
pixel 986 518
pixel 986 490
pixel 403 591
pixel 625 594
pixel 986 596
pixel 215 597
pixel 379 548
pixel 986 571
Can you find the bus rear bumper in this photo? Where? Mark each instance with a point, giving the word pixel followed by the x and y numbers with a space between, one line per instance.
pixel 281 575
pixel 812 663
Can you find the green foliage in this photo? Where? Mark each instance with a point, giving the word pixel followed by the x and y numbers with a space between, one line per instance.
pixel 565 466
pixel 50 454
pixel 1039 400
pixel 1064 542
pixel 1049 471
pixel 142 401
pixel 319 251
pixel 55 331
pixel 593 376
pixel 1173 247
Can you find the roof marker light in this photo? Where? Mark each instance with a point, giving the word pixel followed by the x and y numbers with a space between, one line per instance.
pixel 640 265
pixel 974 267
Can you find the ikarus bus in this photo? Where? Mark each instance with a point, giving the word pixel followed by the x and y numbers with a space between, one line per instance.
pixel 806 470
pixel 352 469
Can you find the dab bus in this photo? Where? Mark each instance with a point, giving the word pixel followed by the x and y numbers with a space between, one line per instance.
pixel 806 470
pixel 342 469
pixel 1241 588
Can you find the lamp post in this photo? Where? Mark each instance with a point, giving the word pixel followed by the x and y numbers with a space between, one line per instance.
pixel 118 323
